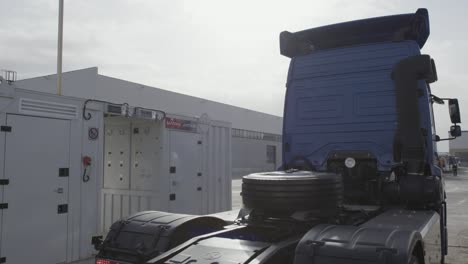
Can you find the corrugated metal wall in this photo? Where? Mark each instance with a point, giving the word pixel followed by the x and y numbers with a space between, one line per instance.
pixel 460 143
pixel 217 165
pixel 250 156
pixel 121 203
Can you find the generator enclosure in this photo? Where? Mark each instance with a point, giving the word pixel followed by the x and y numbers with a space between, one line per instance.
pixel 65 178
pixel 181 164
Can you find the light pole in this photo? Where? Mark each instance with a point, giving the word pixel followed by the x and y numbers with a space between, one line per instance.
pixel 59 49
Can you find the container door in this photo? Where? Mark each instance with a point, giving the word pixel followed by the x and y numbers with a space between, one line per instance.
pixel 185 178
pixel 37 165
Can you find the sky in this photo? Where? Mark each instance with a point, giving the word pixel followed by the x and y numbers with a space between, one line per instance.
pixel 226 51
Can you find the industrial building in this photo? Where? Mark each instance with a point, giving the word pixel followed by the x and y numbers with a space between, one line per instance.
pixel 255 131
pixel 459 148
pixel 106 148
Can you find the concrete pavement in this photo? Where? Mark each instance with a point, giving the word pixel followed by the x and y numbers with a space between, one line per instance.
pixel 457 216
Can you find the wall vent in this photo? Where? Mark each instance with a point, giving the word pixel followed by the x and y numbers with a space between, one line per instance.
pixel 49 109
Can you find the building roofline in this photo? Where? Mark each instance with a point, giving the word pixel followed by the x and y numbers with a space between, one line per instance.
pixel 149 86
pixel 195 97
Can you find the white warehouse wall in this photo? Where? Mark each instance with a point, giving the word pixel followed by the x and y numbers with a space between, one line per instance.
pixel 460 143
pixel 79 83
pixel 459 147
pixel 250 156
pixel 88 84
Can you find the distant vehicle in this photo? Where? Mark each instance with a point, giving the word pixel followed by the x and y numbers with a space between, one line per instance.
pixel 359 181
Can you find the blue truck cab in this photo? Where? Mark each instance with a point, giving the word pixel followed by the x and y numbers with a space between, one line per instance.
pixel 360 181
pixel 341 96
pixel 343 100
pixel 354 90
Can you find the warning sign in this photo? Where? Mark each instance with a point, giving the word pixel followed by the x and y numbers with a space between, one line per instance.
pixel 93 133
pixel 181 124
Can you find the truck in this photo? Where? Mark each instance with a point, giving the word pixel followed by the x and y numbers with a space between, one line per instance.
pixel 360 181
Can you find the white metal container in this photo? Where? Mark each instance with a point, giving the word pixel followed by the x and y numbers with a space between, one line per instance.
pixel 53 203
pixel 180 165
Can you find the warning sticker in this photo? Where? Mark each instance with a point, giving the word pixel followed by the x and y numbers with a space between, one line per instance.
pixel 181 124
pixel 93 133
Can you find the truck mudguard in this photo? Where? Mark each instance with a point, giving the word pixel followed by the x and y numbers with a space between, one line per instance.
pixel 149 233
pixel 334 243
pixel 392 237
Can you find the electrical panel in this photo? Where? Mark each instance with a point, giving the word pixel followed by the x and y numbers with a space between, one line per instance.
pixel 117 153
pixel 146 149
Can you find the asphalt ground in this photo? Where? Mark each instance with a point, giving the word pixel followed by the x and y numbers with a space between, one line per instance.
pixel 457 216
pixel 456 188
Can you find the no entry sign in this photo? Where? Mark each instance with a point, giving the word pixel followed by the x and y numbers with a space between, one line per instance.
pixel 93 133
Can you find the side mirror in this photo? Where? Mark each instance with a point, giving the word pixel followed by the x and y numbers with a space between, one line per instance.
pixel 454 111
pixel 455 131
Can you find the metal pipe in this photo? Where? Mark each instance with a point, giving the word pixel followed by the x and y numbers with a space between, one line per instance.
pixel 59 48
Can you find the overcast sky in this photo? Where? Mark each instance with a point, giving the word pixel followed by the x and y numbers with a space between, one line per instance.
pixel 226 51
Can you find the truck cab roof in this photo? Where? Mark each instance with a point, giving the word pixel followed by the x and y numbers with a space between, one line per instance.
pixel 372 30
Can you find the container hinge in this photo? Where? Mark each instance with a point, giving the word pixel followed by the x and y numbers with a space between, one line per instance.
pixel 199 142
pixel 172 196
pixel 3 260
pixel 3 205
pixel 4 181
pixel 62 209
pixel 64 172
pixel 172 169
pixel 5 128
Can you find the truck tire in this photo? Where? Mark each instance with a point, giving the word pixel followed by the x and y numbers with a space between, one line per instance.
pixel 288 192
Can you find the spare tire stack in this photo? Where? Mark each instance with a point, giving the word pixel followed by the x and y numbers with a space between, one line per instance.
pixel 286 192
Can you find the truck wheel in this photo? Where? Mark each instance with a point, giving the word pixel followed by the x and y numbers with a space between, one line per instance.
pixel 293 191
